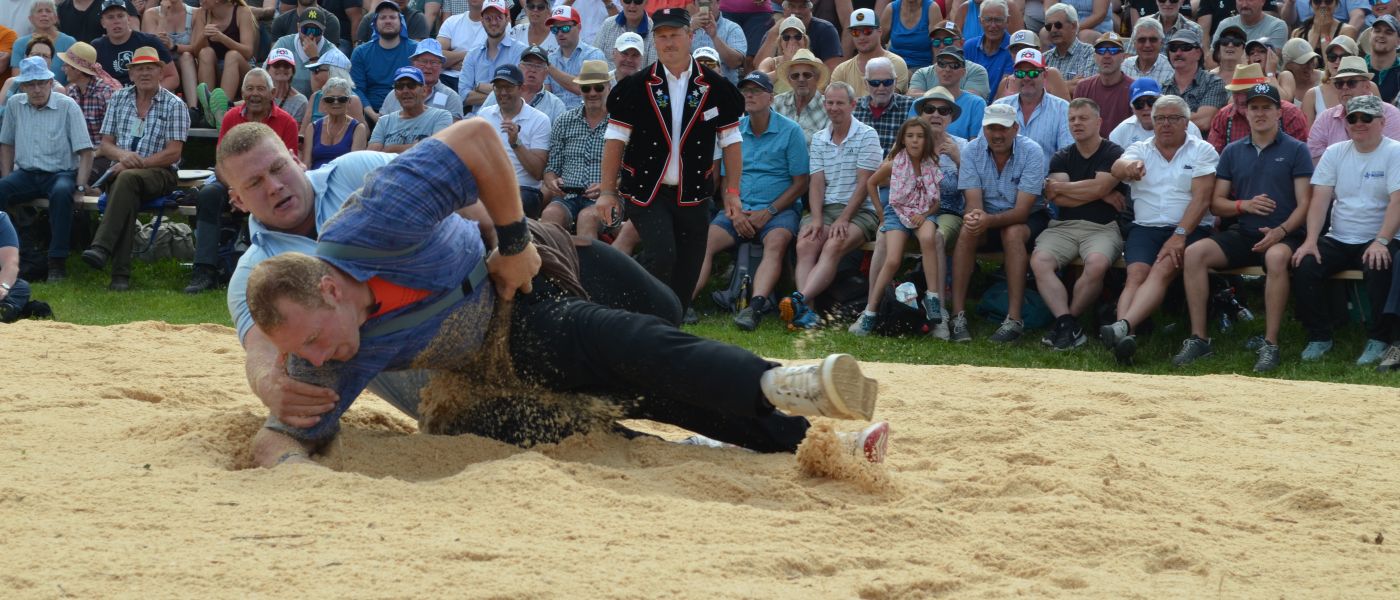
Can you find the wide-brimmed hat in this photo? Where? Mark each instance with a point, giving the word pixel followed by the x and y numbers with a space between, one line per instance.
pixel 145 55
pixel 34 68
pixel 593 71
pixel 428 46
pixel 938 93
pixel 1245 77
pixel 805 57
pixel 81 56
pixel 1353 66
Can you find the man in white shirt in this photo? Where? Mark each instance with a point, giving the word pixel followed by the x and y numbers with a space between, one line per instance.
pixel 1138 127
pixel 525 133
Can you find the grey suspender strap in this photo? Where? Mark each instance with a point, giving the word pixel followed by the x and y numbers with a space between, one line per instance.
pixel 415 317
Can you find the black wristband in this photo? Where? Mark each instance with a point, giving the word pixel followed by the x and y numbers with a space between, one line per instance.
pixel 511 239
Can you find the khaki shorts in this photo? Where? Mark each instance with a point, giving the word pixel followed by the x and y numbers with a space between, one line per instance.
pixel 1068 240
pixel 864 219
pixel 949 225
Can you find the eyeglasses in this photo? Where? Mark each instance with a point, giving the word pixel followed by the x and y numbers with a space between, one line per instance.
pixel 1180 47
pixel 321 69
pixel 1056 25
pixel 995 20
pixel 637 2
pixel 801 75
pixel 1109 50
pixel 1362 117
pixel 1231 40
pixel 561 28
pixel 951 66
pixel 536 7
pixel 1169 1
pixel 792 37
pixel 407 85
pixel 1346 84
pixel 336 99
pixel 311 31
pixel 1027 73
pixel 943 41
pixel 862 31
pixel 1334 57
pixel 1169 119
pixel 1144 102
pixel 597 87
pixel 879 82
pixel 930 108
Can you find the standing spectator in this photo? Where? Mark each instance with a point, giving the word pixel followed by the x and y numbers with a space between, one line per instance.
pixel 1361 233
pixel 825 39
pixel 633 18
pixel 1383 59
pixel 498 50
pixel 990 48
pixel 374 65
pixel 461 33
pixel 574 169
pixel 775 177
pixel 116 49
pixel 309 45
pixel 1352 80
pixel 842 156
pixel 45 152
pixel 1172 177
pixel 1256 23
pixel 224 40
pixel 865 30
pixel 1072 56
pixel 566 60
pixel 1139 125
pixel 806 76
pixel 43 16
pixel 413 24
pixel 1149 62
pixel 415 120
pixel 336 133
pixel 628 52
pixel 912 41
pixel 1232 122
pixel 428 59
pixel 972 77
pixel 535 30
pixel 1041 117
pixel 882 108
pixel 525 133
pixel 290 21
pixel 534 65
pixel 1108 89
pixel 81 19
pixel 669 193
pixel 1001 176
pixel 144 152
pixel 1204 93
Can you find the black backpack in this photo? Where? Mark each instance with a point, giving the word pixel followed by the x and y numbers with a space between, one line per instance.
pixel 895 318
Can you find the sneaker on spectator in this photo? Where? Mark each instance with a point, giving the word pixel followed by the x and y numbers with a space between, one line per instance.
pixel 1390 361
pixel 201 94
pixel 940 329
pixel 1111 333
pixel 1316 350
pixel 1371 354
pixel 808 320
pixel 792 307
pixel 864 325
pixel 751 315
pixel 691 317
pixel 1010 331
pixel 218 105
pixel 1053 334
pixel 1191 349
pixel 1072 337
pixel 958 331
pixel 197 117
pixel 1268 358
pixel 1124 348
pixel 1254 342
pixel 933 310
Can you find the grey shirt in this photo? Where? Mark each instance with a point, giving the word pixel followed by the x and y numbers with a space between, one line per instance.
pixel 47 138
pixel 394 129
pixel 1272 27
pixel 442 97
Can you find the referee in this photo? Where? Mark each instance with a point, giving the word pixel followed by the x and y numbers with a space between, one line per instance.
pixel 662 125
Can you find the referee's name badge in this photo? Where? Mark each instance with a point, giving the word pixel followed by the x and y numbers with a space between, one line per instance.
pixel 712 113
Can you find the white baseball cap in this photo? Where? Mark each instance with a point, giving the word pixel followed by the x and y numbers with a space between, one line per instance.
pixel 999 114
pixel 1030 55
pixel 863 17
pixel 630 40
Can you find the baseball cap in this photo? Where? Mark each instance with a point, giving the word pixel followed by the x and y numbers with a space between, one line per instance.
pixel 384 3
pixel 1260 41
pixel 332 57
pixel 1370 105
pixel 1298 50
pixel 536 51
pixel 509 74
pixel 999 114
pixel 1111 39
pixel 428 46
pixel 36 68
pixel 1264 90
pixel 953 53
pixel 1346 42
pixel 670 17
pixel 630 41
pixel 563 14
pixel 1024 37
pixel 314 15
pixel 280 55
pixel 1029 55
pixel 1144 86
pixel 496 4
pixel 705 52
pixel 863 17
pixel 758 78
pixel 1388 20
pixel 110 4
pixel 1186 36
pixel 792 23
pixel 946 26
pixel 409 73
pixel 1231 30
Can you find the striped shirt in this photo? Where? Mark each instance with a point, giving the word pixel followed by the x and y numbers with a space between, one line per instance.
pixel 1048 125
pixel 576 150
pixel 887 124
pixel 838 164
pixel 571 65
pixel 1025 172
pixel 813 117
pixel 93 99
pixel 47 138
pixel 167 120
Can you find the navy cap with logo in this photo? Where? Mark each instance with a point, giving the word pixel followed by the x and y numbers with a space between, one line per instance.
pixel 758 78
pixel 670 17
pixel 509 74
pixel 536 51
pixel 1263 90
pixel 122 4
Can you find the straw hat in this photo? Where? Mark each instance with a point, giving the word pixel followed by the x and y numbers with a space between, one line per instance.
pixel 81 56
pixel 1246 76
pixel 805 57
pixel 939 93
pixel 145 55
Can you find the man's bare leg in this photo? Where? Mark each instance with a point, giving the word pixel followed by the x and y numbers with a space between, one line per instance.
pixel 272 448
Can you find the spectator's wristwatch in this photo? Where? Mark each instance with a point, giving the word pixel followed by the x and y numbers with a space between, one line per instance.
pixel 772 210
pixel 1384 242
pixel 82 189
pixel 1179 230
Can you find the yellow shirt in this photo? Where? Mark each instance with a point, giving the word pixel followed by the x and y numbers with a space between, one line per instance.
pixel 851 74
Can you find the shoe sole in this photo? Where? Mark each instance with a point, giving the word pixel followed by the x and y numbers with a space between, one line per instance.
pixel 1107 336
pixel 786 311
pixel 850 393
pixel 875 441
pixel 1124 349
pixel 1180 363
pixel 996 340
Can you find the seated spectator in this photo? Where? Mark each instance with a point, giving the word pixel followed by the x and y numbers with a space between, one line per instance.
pixel 224 41
pixel 291 21
pixel 912 173
pixel 775 176
pixel 1300 64
pixel 45 152
pixel 525 133
pixel 566 60
pixel 1054 82
pixel 1170 199
pixel 14 292
pixel 972 77
pixel 335 133
pixel 116 49
pixel 413 24
pixel 1109 88
pixel 1325 95
pixel 308 45
pixel 534 65
pixel 144 153
pixel 806 77
pixel 912 42
pixel 1352 80
pixel 1255 23
pixel 725 37
pixel 882 99
pixel 866 33
pixel 1148 61
pixel 281 65
pixel 707 57
pixel 1204 93
pixel 1139 127
pixel 1001 176
pixel 172 21
pixel 1262 182
pixel 91 87
pixel 591 14
pixel 374 65
pixel 822 36
pixel 792 39
pixel 1041 116
pixel 1227 52
pixel 951 66
pixel 43 16
pixel 842 156
pixel 1072 56
pixel 81 19
pixel 535 30
pixel 496 51
pixel 1315 28
pixel 575 165
pixel 332 65
pixel 1258 52
pixel 41 47
pixel 990 50
pixel 632 19
pixel 939 110
pixel 428 58
pixel 1383 58
pixel 1089 199
pixel 414 121
pixel 1232 122
pixel 463 32
pixel 627 56
pixel 1171 18
pixel 1362 174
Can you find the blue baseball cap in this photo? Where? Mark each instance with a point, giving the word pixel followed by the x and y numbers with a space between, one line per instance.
pixel 428 46
pixel 508 73
pixel 409 73
pixel 1145 86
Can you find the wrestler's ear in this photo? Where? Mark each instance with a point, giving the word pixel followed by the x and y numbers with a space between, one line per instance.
pixel 330 290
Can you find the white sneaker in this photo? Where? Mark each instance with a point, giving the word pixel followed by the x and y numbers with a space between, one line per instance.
pixel 872 442
pixel 833 388
pixel 940 330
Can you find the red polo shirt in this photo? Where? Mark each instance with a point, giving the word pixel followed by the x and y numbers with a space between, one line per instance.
pixel 280 121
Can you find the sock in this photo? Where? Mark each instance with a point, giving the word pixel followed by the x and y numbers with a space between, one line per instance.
pixel 931 295
pixel 869 313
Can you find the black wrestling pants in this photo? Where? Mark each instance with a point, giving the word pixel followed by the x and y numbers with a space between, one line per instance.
pixel 642 361
pixel 673 240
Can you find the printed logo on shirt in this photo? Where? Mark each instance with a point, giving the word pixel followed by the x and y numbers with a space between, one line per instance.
pixel 1373 175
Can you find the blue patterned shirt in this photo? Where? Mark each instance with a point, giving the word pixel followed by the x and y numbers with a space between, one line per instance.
pixel 571 65
pixel 479 68
pixel 1049 124
pixel 1025 172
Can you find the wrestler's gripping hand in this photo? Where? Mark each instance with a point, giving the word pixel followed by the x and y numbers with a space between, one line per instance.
pixel 511 273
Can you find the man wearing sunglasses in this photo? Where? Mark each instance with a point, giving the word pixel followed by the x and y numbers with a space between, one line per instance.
pixel 1203 91
pixel 865 31
pixel 1352 80
pixel 1148 60
pixel 1255 23
pixel 972 77
pixel 575 153
pixel 1383 60
pixel 1042 117
pixel 806 76
pixel 1109 88
pixel 882 107
pixel 566 60
pixel 967 123
pixel 291 21
pixel 428 59
pixel 1138 127
pixel 308 43
pixel 1068 53
pixel 1362 224
pixel 1232 122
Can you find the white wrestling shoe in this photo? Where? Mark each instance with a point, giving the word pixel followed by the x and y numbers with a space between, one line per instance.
pixel 833 388
pixel 873 441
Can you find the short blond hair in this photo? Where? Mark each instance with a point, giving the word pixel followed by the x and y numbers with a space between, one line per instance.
pixel 243 138
pixel 293 276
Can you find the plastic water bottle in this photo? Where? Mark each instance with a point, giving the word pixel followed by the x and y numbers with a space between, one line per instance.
pixel 907 294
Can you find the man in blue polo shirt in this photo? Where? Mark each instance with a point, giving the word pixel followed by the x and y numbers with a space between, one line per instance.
pixel 1262 181
pixel 990 48
pixel 775 175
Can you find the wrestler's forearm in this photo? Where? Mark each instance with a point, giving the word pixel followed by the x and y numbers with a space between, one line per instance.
pixel 261 359
pixel 479 148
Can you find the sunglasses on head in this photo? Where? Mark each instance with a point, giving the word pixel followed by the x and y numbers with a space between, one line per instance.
pixel 1336 56
pixel 1027 73
pixel 874 83
pixel 596 87
pixel 1346 84
pixel 561 28
pixel 801 75
pixel 1362 117
pixel 311 31
pixel 862 31
pixel 792 37
pixel 1109 50
pixel 1180 47
pixel 943 41
pixel 929 109
pixel 1144 102
pixel 336 99
pixel 1231 40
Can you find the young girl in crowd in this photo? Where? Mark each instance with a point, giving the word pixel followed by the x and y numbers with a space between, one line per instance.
pixel 913 175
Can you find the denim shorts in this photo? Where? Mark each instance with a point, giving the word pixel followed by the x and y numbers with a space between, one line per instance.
pixel 574 204
pixel 786 219
pixel 1144 242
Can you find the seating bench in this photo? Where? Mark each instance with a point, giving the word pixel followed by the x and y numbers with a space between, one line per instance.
pixel 90 203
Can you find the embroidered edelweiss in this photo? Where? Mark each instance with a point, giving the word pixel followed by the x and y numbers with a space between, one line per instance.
pixel 661 99
pixel 694 99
